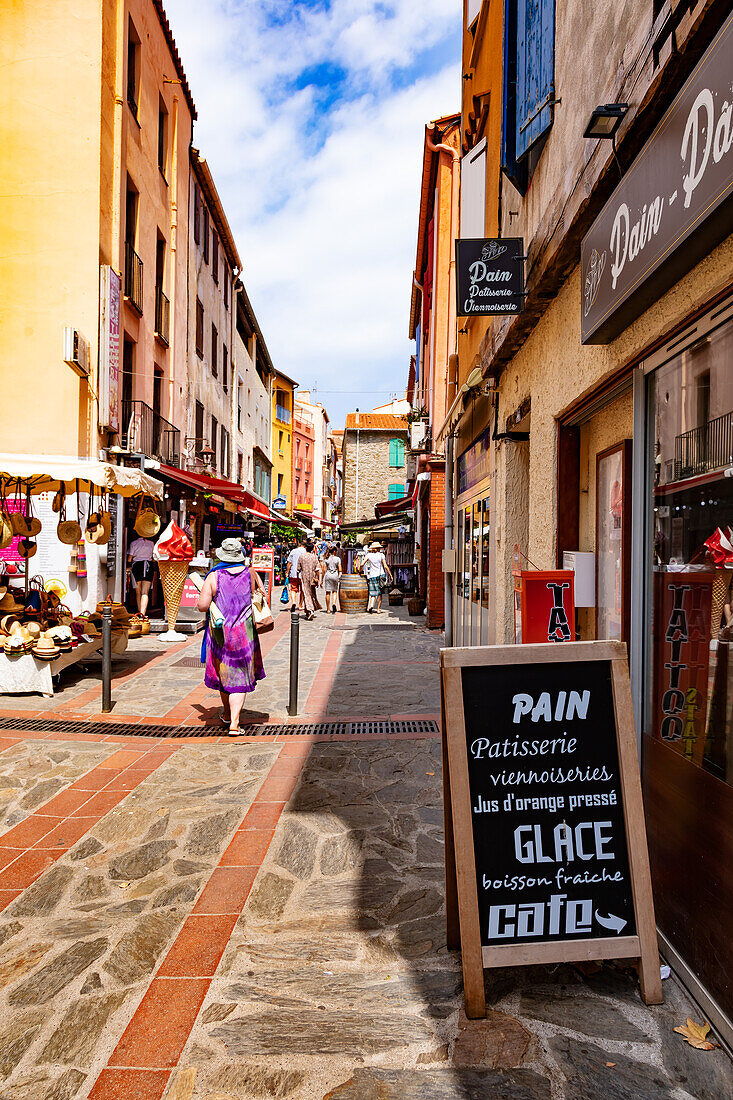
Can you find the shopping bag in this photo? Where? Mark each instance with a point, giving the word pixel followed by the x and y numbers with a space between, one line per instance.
pixel 261 614
pixel 284 597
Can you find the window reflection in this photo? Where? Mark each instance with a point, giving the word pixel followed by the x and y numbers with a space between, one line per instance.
pixel 693 553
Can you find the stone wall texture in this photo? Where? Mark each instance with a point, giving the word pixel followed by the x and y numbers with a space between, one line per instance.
pixel 370 485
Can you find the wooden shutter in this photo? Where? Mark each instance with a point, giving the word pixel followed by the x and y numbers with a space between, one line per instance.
pixel 473 191
pixel 535 71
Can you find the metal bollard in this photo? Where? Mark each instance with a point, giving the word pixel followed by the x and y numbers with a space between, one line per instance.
pixel 294 655
pixel 106 659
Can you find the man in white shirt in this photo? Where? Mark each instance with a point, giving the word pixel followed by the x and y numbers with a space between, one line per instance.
pixel 296 589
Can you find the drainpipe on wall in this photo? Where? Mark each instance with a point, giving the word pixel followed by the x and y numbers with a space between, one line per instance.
pixel 356 504
pixel 172 342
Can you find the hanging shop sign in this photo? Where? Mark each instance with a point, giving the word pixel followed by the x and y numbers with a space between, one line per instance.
pixel 490 276
pixel 546 857
pixel 672 207
pixel 110 292
pixel 263 561
pixel 279 503
pixel 546 606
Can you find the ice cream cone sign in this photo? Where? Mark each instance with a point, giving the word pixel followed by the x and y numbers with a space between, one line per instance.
pixel 173 553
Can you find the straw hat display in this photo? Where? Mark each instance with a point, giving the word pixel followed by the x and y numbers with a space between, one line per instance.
pixel 46 649
pixel 34 629
pixel 8 622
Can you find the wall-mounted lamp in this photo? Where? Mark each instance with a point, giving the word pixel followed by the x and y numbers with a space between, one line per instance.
pixel 605 120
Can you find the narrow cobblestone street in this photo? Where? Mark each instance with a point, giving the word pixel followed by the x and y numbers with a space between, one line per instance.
pixel 198 918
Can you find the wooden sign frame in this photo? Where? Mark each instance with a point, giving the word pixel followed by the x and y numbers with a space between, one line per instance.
pixel 462 908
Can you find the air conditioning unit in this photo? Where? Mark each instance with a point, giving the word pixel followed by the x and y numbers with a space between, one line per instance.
pixel 76 351
pixel 418 435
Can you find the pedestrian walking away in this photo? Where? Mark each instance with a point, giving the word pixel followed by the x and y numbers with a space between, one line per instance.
pixel 296 593
pixel 141 566
pixel 231 649
pixel 331 577
pixel 376 572
pixel 308 573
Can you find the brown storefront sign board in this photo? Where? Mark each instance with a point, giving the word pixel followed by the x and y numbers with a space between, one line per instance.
pixel 546 852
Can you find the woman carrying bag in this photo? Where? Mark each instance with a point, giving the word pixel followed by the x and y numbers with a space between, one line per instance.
pixel 233 657
pixel 376 571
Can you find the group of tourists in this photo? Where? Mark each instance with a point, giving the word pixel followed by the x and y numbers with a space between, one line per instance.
pixel 311 565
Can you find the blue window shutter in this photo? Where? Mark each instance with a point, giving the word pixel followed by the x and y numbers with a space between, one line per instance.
pixel 535 72
pixel 392 453
pixel 516 173
pixel 396 490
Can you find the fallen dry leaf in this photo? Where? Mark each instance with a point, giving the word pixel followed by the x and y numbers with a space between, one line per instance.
pixel 695 1035
pixel 430 773
pixel 610 1064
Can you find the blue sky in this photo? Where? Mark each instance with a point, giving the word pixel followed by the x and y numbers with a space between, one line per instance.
pixel 311 116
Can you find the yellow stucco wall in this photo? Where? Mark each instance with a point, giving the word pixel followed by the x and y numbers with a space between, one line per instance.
pixel 50 79
pixel 282 456
pixel 554 369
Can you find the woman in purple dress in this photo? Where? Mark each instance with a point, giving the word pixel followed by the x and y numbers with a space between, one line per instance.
pixel 233 657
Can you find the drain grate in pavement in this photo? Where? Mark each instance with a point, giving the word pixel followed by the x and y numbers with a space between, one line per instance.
pixel 188 662
pixel 376 728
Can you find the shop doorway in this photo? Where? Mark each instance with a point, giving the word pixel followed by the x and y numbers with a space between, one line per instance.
pixel 688 667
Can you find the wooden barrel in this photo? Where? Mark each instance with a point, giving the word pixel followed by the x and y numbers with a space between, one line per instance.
pixel 353 592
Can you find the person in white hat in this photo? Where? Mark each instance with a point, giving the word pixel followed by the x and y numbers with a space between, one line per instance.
pixel 376 572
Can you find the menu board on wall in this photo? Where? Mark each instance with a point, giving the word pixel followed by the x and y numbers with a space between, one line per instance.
pixel 544 819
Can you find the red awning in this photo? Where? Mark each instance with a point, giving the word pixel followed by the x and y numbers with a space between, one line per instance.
pixel 219 487
pixel 401 504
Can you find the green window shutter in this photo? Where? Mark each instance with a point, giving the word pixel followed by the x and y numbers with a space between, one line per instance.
pixel 396 453
pixel 396 490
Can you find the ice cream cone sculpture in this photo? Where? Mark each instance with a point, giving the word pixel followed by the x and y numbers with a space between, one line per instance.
pixel 173 552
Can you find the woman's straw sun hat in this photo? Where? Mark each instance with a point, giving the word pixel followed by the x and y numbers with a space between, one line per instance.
pixel 231 551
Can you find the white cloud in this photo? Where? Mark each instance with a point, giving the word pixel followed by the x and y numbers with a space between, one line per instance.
pixel 323 202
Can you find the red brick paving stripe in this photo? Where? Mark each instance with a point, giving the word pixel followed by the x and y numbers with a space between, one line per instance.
pixel 35 844
pixel 163 1021
pixel 320 692
pixel 130 1084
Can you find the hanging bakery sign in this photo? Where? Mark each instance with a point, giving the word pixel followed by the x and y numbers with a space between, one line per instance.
pixel 490 276
pixel 671 208
pixel 546 852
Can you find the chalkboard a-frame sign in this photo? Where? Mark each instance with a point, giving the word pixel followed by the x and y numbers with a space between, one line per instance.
pixel 546 853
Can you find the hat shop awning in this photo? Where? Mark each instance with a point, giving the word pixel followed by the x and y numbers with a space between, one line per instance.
pixel 218 487
pixel 46 474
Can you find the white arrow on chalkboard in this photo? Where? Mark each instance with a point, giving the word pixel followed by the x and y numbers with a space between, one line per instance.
pixel 614 923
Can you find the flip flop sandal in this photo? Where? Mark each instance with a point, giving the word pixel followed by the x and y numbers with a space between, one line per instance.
pixel 222 718
pixel 235 732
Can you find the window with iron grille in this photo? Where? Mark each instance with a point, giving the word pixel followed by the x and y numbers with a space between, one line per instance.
pixel 199 328
pixel 214 349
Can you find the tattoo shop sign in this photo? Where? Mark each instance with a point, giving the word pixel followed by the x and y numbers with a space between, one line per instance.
pixel 672 207
pixel 546 826
pixel 490 276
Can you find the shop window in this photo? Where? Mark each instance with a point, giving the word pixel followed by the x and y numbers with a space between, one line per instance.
pixel 692 401
pixel 396 490
pixel 473 191
pixel 529 85
pixel 396 453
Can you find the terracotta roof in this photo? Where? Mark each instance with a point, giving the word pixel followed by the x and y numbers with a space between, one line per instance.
pixel 376 422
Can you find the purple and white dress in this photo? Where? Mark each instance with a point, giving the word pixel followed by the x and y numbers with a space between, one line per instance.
pixel 236 665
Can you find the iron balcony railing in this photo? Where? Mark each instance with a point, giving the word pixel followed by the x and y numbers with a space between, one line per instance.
pixel 162 316
pixel 148 433
pixel 705 448
pixel 133 278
